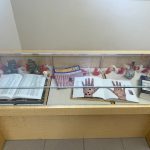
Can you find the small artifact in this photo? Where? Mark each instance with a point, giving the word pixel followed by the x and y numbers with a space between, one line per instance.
pixel 12 66
pixel 42 68
pixel 146 70
pixel 6 70
pixel 32 67
pixel 121 70
pixel 130 73
pixel 47 74
pixel 96 72
pixel 108 70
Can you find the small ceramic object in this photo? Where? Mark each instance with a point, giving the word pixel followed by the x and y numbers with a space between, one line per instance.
pixel 32 67
pixel 108 70
pixel 96 72
pixel 130 73
pixel 42 68
pixel 121 70
pixel 145 70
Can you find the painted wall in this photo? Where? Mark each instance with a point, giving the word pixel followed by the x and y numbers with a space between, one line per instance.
pixel 83 24
pixel 9 38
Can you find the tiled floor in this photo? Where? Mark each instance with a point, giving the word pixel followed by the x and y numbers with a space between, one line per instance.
pixel 80 144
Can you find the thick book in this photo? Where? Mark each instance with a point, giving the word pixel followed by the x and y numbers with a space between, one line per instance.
pixel 107 89
pixel 21 88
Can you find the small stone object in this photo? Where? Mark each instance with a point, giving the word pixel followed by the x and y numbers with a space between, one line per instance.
pixel 130 73
pixel 96 72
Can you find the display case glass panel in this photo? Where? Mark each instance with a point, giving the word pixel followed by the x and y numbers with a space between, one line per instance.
pixel 74 78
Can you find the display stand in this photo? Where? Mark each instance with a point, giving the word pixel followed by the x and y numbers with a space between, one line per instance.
pixel 74 121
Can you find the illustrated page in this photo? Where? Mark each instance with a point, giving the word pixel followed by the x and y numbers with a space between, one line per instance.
pixel 89 87
pixel 118 91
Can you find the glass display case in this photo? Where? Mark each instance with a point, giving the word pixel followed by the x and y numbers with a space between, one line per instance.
pixel 74 94
pixel 75 78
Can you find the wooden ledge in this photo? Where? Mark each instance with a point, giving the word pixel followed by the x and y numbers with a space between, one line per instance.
pixel 74 110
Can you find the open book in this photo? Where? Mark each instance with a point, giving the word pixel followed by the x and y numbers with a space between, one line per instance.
pixel 113 89
pixel 9 82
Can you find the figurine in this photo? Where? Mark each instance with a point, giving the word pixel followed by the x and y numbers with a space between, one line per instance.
pixel 6 69
pixel 96 72
pixel 47 74
pixel 48 71
pixel 130 72
pixel 12 66
pixel 145 70
pixel 32 67
pixel 108 70
pixel 42 68
pixel 121 70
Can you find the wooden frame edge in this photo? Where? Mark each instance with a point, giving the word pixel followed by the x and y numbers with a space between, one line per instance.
pixel 73 110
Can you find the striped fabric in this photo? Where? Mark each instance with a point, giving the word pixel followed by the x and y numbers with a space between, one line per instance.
pixel 66 79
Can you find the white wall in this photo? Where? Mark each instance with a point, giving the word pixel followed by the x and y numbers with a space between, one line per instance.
pixel 83 24
pixel 9 38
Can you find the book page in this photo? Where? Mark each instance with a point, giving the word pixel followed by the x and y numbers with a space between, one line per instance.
pixel 9 80
pixel 85 91
pixel 32 81
pixel 118 92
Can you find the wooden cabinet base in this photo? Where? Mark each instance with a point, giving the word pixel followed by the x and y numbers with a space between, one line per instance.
pixel 148 138
pixel 2 141
pixel 65 127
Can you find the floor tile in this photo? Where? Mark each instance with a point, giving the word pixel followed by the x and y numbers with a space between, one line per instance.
pixel 135 144
pixel 103 144
pixel 24 145
pixel 64 145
